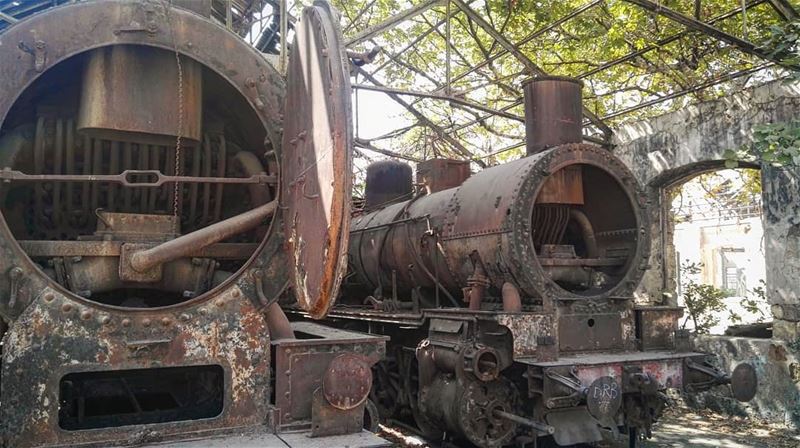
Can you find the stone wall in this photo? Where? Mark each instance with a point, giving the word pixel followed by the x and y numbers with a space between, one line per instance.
pixel 778 368
pixel 667 150
pixel 664 152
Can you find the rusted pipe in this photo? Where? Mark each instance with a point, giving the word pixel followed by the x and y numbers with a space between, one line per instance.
pixel 538 426
pixel 478 283
pixel 278 323
pixel 587 231
pixel 186 244
pixel 252 166
pixel 512 302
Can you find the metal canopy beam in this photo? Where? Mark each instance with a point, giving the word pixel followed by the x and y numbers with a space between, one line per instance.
pixel 460 148
pixel 530 65
pixel 438 96
pixel 367 144
pixel 784 9
pixel 696 88
pixel 8 18
pixel 529 38
pixel 392 21
pixel 697 25
pixel 663 42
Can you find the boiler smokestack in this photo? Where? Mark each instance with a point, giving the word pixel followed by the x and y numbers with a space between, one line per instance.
pixel 553 112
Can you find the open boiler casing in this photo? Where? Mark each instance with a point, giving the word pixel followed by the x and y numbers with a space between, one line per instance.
pixel 150 159
pixel 567 222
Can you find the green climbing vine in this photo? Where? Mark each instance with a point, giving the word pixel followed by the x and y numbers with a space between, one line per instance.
pixel 776 144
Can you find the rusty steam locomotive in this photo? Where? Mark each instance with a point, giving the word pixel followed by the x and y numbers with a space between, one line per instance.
pixel 150 158
pixel 508 294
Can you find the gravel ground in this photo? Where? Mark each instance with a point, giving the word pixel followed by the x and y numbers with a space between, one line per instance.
pixel 679 427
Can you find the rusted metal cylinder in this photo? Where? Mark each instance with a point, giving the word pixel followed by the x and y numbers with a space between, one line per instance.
pixel 553 112
pixel 509 224
pixel 186 244
pixel 388 181
pixel 278 324
pixel 131 93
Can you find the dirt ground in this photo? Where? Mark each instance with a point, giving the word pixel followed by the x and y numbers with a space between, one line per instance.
pixel 679 427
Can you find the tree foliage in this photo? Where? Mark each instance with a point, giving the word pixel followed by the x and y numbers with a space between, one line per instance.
pixel 705 303
pixel 777 144
pixel 672 60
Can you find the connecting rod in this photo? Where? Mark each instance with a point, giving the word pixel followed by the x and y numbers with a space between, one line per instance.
pixel 191 242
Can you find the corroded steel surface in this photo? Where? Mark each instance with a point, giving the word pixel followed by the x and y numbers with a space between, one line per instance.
pixel 317 160
pixel 53 332
pixel 301 365
pixel 347 381
pixel 442 174
pixel 490 219
pixel 57 335
pixel 129 93
pixel 388 181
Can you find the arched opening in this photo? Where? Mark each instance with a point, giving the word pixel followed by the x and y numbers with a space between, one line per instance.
pixel 714 244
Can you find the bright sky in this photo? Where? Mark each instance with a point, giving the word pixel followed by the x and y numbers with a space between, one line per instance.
pixel 377 114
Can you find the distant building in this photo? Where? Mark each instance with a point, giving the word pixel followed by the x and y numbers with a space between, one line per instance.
pixel 726 241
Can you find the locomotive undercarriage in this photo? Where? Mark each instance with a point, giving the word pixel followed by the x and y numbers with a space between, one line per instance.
pixel 493 378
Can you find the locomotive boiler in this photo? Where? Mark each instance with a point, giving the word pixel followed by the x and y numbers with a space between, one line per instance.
pixel 161 184
pixel 509 294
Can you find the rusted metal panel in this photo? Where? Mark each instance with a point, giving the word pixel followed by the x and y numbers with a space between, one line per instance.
pixel 317 160
pixel 442 174
pixel 301 365
pixel 347 381
pixel 534 334
pixel 590 332
pixel 564 187
pixel 656 326
pixel 57 335
pixel 130 94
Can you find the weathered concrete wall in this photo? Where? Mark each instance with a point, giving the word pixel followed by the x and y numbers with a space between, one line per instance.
pixel 672 148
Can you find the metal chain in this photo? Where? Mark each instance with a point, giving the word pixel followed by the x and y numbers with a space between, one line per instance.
pixel 178 139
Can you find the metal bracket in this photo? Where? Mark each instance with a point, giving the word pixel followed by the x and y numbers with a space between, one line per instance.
pixel 128 274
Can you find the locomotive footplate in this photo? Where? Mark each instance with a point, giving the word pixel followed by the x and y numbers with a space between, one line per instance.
pixel 363 439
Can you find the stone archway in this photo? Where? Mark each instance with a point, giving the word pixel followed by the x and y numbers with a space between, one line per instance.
pixel 669 148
